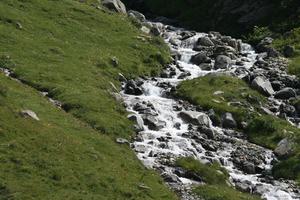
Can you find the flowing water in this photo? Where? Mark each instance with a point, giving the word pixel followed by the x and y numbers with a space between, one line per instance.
pixel 172 138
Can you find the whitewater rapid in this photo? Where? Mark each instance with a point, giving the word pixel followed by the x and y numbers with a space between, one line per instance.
pixel 158 148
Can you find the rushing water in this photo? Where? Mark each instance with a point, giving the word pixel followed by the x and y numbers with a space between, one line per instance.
pixel 157 148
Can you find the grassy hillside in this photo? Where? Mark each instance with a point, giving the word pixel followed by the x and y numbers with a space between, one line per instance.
pixel 60 157
pixel 67 48
pixel 262 129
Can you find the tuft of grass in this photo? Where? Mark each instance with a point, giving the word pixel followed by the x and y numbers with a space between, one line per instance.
pixel 201 91
pixel 60 157
pixel 211 174
pixel 216 181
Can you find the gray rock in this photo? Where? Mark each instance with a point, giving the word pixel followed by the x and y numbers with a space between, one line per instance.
pixel 200 58
pixel 205 66
pixel 29 113
pixel 222 62
pixel 153 123
pixel 115 5
pixel 228 121
pixel 285 93
pixel 155 31
pixel 139 16
pixel 196 118
pixel 122 141
pixel 244 186
pixel 137 120
pixel 262 85
pixel 284 148
pixel 248 167
pixel 205 41
pixel 132 88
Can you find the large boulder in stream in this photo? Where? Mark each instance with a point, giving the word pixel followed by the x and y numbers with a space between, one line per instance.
pixel 132 88
pixel 196 118
pixel 205 41
pixel 228 121
pixel 200 58
pixel 263 85
pixel 222 62
pixel 139 124
pixel 285 93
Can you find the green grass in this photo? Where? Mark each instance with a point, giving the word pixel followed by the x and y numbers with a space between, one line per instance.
pixel 59 157
pixel 262 129
pixel 65 47
pixel 216 179
pixel 201 91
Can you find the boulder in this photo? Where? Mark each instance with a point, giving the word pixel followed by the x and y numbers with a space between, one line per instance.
pixel 153 123
pixel 115 5
pixel 205 41
pixel 196 118
pixel 122 141
pixel 284 148
pixel 137 15
pixel 222 62
pixel 285 93
pixel 132 88
pixel 263 85
pixel 228 121
pixel 139 124
pixel 29 113
pixel 200 58
pixel 205 66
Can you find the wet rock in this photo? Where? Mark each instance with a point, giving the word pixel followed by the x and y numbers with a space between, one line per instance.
pixel 262 85
pixel 207 131
pixel 284 148
pixel 200 58
pixel 285 93
pixel 248 168
pixel 177 125
pixel 287 109
pixel 222 62
pixel 132 88
pixel 115 5
pixel 205 66
pixel 244 186
pixel 170 178
pixel 228 121
pixel 205 41
pixel 153 123
pixel 214 117
pixel 155 31
pixel 30 113
pixel 184 75
pixel 138 121
pixel 196 118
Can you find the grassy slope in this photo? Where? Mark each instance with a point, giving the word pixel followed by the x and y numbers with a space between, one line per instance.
pixel 216 179
pixel 66 48
pixel 60 157
pixel 263 130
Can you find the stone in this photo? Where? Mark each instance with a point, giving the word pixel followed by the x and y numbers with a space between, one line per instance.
pixel 196 118
pixel 137 15
pixel 222 62
pixel 200 58
pixel 153 123
pixel 263 85
pixel 207 131
pixel 205 66
pixel 132 88
pixel 145 29
pixel 29 113
pixel 115 5
pixel 228 121
pixel 248 167
pixel 285 93
pixel 122 141
pixel 205 41
pixel 284 148
pixel 139 124
pixel 155 31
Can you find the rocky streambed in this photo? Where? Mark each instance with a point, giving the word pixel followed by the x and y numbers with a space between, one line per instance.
pixel 169 128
